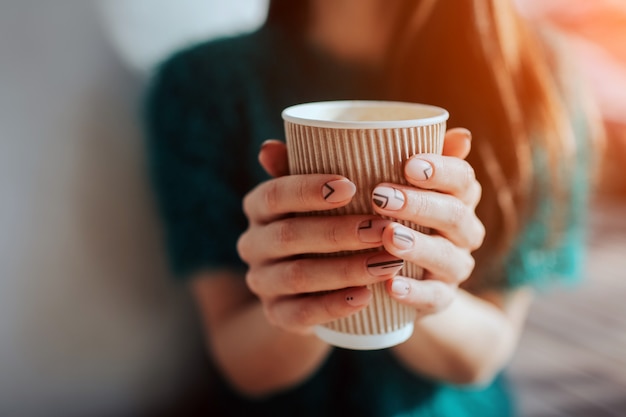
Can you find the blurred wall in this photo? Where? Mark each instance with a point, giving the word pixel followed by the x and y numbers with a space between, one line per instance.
pixel 90 322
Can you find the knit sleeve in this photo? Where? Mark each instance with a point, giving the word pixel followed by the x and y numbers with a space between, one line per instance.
pixel 191 126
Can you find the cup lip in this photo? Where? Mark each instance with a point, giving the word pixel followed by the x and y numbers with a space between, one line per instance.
pixel 291 114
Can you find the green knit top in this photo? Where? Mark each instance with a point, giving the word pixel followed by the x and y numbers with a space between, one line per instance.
pixel 209 107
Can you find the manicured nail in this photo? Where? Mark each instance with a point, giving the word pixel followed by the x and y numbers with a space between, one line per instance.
pixel 384 265
pixel 400 287
pixel 403 237
pixel 359 297
pixel 338 190
pixel 388 198
pixel 418 169
pixel 371 231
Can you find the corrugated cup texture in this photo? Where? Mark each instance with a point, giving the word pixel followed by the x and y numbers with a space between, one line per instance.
pixel 367 157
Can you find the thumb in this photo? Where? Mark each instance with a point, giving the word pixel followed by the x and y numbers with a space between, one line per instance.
pixel 457 142
pixel 273 158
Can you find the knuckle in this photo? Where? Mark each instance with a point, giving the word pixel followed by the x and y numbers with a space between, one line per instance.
pixel 329 308
pixel 301 192
pixel 469 175
pixel 252 281
pixel 285 234
pixel 478 237
pixel 272 196
pixel 458 214
pixel 243 247
pixel 471 264
pixel 296 277
pixel 303 315
pixel 421 203
pixel 440 298
pixel 432 301
pixel 446 253
pixel 333 234
pixel 463 265
pixel 269 309
pixel 467 266
pixel 346 271
pixel 246 205
pixel 478 193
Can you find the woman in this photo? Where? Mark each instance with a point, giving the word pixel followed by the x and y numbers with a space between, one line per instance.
pixel 212 107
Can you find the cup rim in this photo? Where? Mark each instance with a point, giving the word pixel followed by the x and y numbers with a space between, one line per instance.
pixel 297 114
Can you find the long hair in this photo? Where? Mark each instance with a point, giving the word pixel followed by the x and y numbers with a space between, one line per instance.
pixel 477 59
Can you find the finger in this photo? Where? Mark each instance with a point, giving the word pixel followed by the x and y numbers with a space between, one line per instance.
pixel 273 158
pixel 436 254
pixel 426 296
pixel 300 314
pixel 445 174
pixel 442 212
pixel 457 142
pixel 296 193
pixel 310 275
pixel 310 234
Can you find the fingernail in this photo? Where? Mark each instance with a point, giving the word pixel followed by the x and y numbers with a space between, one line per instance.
pixel 388 198
pixel 418 169
pixel 400 287
pixel 403 237
pixel 359 297
pixel 384 265
pixel 371 231
pixel 463 131
pixel 338 190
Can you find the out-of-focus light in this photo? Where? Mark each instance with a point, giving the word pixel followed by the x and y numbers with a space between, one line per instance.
pixel 597 32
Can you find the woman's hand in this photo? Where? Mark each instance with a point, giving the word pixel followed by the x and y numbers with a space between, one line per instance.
pixel 443 197
pixel 299 292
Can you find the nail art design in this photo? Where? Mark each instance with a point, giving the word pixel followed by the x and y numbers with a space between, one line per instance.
pixel 371 231
pixel 419 169
pixel 403 238
pixel 428 171
pixel 328 191
pixel 388 198
pixel 358 298
pixel 384 265
pixel 400 287
pixel 338 190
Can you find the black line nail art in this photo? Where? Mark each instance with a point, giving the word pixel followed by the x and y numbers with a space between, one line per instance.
pixel 365 225
pixel 386 264
pixel 330 190
pixel 403 236
pixel 388 198
pixel 428 172
pixel 381 200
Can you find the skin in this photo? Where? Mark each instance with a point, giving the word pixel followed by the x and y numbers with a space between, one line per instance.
pixel 259 329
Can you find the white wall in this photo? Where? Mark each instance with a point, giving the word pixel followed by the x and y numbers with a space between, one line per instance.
pixel 90 322
pixel 144 31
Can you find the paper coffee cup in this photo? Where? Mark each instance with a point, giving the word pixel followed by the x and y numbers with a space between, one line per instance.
pixel 368 143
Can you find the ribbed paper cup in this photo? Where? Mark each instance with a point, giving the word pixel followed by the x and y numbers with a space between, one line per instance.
pixel 367 142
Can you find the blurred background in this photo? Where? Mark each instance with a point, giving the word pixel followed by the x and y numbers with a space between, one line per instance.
pixel 91 323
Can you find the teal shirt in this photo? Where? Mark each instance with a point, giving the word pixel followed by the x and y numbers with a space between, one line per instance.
pixel 209 109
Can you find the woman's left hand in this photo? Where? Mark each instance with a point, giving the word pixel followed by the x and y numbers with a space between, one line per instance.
pixel 442 196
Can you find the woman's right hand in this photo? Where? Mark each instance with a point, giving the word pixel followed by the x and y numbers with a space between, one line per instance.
pixel 299 292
